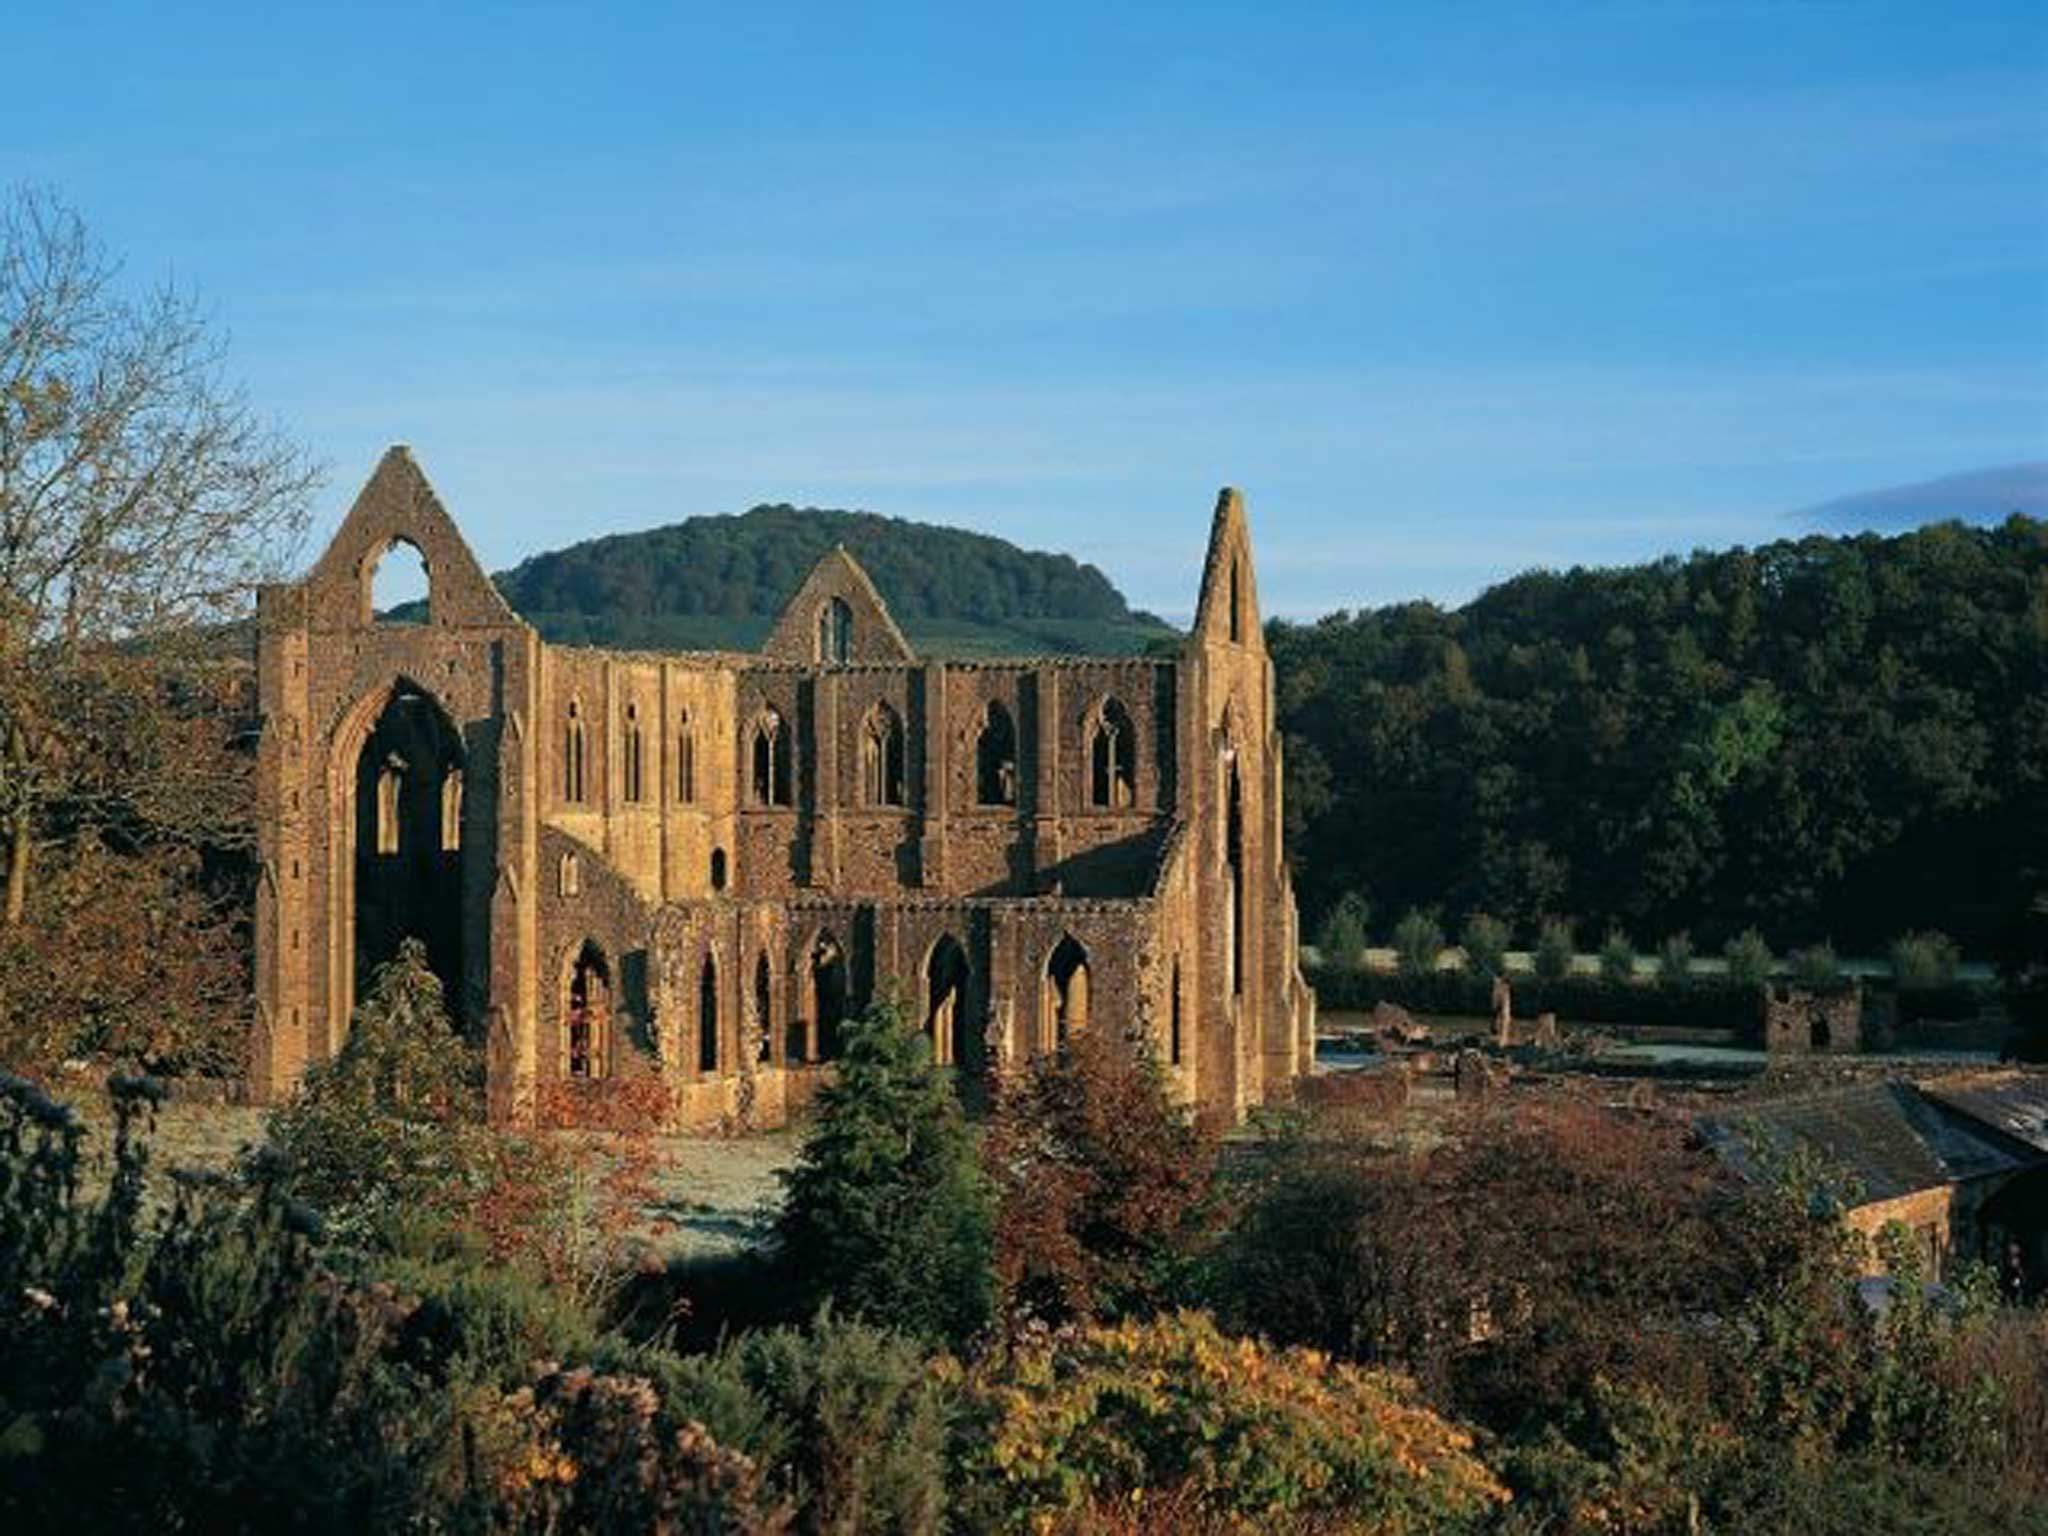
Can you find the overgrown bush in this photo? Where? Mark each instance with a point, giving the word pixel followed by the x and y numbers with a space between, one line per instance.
pixel 1750 961
pixel 1924 960
pixel 887 1213
pixel 1554 949
pixel 1170 1426
pixel 1617 957
pixel 1816 967
pixel 1485 941
pixel 1674 960
pixel 1418 942
pixel 1343 935
pixel 1103 1183
pixel 390 1130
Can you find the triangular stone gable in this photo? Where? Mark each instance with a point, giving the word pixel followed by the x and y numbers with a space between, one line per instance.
pixel 874 637
pixel 1227 578
pixel 398 504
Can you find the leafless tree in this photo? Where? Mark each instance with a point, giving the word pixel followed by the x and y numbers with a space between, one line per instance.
pixel 141 498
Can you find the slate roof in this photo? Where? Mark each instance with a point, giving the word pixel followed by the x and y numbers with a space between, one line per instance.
pixel 2012 1103
pixel 1886 1135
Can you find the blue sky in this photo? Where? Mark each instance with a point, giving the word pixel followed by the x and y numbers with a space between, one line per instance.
pixel 1451 290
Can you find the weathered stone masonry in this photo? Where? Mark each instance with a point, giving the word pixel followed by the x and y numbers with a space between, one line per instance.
pixel 696 866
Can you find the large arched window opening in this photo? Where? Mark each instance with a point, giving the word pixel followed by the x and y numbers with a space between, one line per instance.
pixel 828 997
pixel 881 757
pixel 945 1001
pixel 835 632
pixel 587 1018
pixel 770 779
pixel 995 758
pixel 572 754
pixel 707 1017
pixel 764 1010
pixel 1112 759
pixel 1065 994
pixel 404 879
pixel 635 755
pixel 396 585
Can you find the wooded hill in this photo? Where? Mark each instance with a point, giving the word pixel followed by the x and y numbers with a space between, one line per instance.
pixel 714 583
pixel 1832 739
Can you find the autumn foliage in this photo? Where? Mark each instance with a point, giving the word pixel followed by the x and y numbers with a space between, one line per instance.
pixel 1105 1186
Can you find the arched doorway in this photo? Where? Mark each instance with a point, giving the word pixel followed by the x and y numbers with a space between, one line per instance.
pixel 586 1021
pixel 407 862
pixel 945 1003
pixel 1064 1013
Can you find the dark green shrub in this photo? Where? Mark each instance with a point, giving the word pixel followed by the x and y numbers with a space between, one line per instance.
pixel 1343 934
pixel 849 1423
pixel 1617 957
pixel 1674 960
pixel 1750 961
pixel 1485 941
pixel 888 1216
pixel 1418 943
pixel 1554 949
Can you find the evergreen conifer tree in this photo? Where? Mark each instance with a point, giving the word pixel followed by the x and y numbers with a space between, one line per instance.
pixel 888 1216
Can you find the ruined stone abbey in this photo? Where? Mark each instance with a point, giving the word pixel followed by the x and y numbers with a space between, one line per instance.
pixel 693 868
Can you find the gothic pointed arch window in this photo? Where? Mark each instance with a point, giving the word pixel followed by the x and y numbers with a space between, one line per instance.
pixel 390 803
pixel 635 757
pixel 835 632
pixel 827 1000
pixel 770 779
pixel 572 754
pixel 686 761
pixel 451 811
pixel 995 757
pixel 1112 758
pixel 881 757
pixel 945 1001
pixel 587 1018
pixel 1064 1009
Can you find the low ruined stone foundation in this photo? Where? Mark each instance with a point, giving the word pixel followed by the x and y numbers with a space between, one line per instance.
pixel 690 869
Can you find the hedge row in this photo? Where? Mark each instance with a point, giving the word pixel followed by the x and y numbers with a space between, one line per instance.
pixel 1702 1003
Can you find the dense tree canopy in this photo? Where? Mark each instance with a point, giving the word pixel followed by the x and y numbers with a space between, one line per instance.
pixel 1827 738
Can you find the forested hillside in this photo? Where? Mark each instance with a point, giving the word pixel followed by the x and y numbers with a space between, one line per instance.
pixel 1837 739
pixel 713 582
